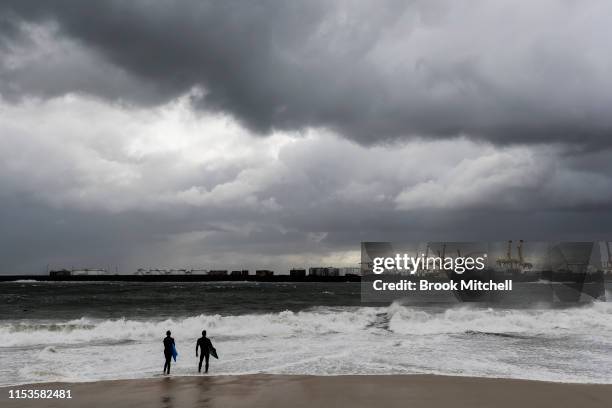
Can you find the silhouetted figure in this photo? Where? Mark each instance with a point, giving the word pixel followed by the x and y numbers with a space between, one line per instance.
pixel 168 344
pixel 206 346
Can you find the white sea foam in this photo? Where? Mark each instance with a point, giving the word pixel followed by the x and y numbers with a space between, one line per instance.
pixel 401 320
pixel 572 345
pixel 93 330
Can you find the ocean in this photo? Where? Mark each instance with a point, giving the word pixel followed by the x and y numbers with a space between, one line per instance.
pixel 69 331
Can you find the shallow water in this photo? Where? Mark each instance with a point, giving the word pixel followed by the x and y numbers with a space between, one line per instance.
pixel 85 331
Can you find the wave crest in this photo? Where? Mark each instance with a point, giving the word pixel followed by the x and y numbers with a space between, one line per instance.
pixel 399 319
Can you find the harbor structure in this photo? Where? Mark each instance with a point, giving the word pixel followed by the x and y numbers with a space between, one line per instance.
pixel 241 273
pixel 297 273
pixel 264 273
pixel 350 271
pixel 323 271
pixel 79 272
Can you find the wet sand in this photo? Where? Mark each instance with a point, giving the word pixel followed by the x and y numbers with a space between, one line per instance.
pixel 314 391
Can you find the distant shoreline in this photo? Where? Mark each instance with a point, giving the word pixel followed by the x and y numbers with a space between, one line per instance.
pixel 189 278
pixel 177 278
pixel 263 390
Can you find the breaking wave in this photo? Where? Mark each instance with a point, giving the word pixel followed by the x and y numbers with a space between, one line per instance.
pixel 594 319
pixel 567 345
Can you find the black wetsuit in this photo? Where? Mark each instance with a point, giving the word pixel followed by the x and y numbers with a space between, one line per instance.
pixel 205 346
pixel 168 343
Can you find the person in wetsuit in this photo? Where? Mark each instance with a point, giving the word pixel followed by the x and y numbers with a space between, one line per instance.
pixel 168 343
pixel 205 346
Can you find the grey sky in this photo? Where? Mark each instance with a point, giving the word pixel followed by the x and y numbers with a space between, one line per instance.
pixel 278 134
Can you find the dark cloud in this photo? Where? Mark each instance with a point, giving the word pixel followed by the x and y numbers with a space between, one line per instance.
pixel 92 184
pixel 372 71
pixel 473 121
pixel 42 237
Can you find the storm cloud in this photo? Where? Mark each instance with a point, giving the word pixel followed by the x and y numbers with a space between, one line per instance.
pixel 275 134
pixel 372 71
pixel 171 187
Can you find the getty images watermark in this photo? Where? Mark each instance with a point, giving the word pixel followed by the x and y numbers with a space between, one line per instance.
pixel 504 271
pixel 404 263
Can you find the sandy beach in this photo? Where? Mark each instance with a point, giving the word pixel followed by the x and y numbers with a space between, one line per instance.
pixel 317 391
